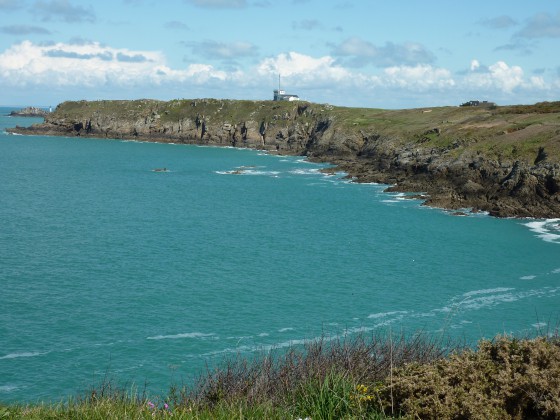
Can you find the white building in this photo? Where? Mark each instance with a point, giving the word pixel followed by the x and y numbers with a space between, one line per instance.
pixel 281 95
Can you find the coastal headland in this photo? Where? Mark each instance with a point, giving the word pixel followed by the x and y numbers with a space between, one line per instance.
pixel 504 160
pixel 30 111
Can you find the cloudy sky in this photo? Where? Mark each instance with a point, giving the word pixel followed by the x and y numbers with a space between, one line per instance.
pixel 370 53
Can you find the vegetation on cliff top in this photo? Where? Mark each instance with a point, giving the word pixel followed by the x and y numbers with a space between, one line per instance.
pixel 360 377
pixel 501 160
pixel 508 132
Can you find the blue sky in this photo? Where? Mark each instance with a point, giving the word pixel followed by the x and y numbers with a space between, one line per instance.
pixel 368 53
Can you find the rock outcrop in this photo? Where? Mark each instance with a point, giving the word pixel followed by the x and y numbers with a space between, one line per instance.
pixel 497 161
pixel 30 111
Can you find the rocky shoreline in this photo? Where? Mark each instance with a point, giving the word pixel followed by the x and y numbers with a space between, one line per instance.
pixel 503 161
pixel 30 111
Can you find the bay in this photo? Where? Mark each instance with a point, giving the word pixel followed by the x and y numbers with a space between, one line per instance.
pixel 109 268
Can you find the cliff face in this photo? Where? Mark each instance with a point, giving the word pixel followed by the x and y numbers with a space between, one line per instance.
pixel 505 160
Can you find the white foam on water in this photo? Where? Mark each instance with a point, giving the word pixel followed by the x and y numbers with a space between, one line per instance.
pixel 183 335
pixel 256 172
pixel 389 201
pixel 8 388
pixel 22 354
pixel 488 291
pixel 539 325
pixel 386 314
pixel 546 229
pixel 556 271
pixel 490 300
pixel 286 329
pixel 264 334
pixel 479 299
pixel 257 348
pixel 530 277
pixel 313 171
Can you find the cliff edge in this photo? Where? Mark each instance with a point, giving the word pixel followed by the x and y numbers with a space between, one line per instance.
pixel 503 160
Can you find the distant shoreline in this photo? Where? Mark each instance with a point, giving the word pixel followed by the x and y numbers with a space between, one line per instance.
pixel 30 111
pixel 500 160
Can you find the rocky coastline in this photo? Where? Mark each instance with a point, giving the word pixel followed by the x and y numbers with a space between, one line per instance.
pixel 500 160
pixel 30 111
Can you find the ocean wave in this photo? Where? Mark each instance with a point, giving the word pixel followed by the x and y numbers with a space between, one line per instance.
pixel 22 354
pixel 529 277
pixel 257 172
pixel 479 299
pixel 548 230
pixel 183 335
pixel 286 329
pixel 8 388
pixel 386 314
pixel 313 171
pixel 487 291
pixel 257 348
pixel 246 171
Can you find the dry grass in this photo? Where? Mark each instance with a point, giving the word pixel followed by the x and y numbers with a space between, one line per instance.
pixel 366 377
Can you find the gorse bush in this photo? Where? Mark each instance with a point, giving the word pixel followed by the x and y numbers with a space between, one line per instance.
pixel 506 378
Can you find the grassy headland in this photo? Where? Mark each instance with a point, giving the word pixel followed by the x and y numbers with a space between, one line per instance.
pixel 503 160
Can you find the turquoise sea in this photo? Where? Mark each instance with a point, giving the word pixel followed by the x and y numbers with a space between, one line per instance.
pixel 108 268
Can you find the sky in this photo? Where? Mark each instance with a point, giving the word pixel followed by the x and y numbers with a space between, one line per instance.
pixel 389 54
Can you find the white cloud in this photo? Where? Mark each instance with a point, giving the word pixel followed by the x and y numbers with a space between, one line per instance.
pixel 420 77
pixel 475 65
pixel 91 64
pixel 498 76
pixel 103 70
pixel 304 69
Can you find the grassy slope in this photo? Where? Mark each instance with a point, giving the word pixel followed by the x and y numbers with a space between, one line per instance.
pixel 506 132
pixel 511 132
pixel 374 378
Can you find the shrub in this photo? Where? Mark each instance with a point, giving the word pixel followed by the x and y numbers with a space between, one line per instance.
pixel 506 378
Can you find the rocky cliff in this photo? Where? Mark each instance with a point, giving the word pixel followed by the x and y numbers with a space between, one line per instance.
pixel 504 160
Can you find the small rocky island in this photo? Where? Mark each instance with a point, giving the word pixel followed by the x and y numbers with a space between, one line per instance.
pixel 30 111
pixel 504 160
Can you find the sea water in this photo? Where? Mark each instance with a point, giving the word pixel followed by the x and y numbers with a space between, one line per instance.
pixel 109 269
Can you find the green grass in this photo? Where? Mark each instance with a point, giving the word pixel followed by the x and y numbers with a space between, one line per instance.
pixel 511 132
pixel 363 377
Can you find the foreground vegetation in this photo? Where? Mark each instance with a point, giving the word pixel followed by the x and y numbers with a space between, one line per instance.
pixel 360 377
